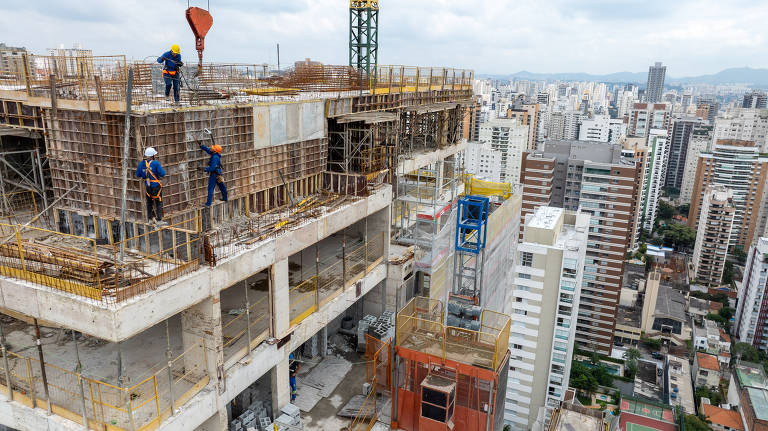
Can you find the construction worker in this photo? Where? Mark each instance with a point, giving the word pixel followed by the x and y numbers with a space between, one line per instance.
pixel 171 62
pixel 293 369
pixel 150 170
pixel 214 173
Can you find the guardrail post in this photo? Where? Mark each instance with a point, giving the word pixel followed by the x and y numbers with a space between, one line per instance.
pixel 42 366
pixel 317 275
pixel 247 315
pixel 31 380
pixel 5 363
pixel 129 408
pixel 21 248
pixel 168 355
pixel 344 258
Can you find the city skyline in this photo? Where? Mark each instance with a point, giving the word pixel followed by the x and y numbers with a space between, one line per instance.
pixel 606 37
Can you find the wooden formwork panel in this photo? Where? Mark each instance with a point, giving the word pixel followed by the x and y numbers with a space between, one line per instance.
pixel 85 153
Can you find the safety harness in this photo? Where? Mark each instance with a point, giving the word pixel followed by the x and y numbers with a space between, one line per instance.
pixel 147 163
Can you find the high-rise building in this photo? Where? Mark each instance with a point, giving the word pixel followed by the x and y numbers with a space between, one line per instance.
pixel 654 88
pixel 571 122
pixel 653 178
pixel 597 179
pixel 509 137
pixel 12 60
pixel 679 137
pixel 740 166
pixel 707 108
pixel 713 235
pixel 751 324
pixel 528 113
pixel 547 287
pixel 470 123
pixel 754 99
pixel 745 124
pixel 595 129
pixel 647 116
pixel 483 161
pixel 556 125
pixel 699 142
pixel 636 148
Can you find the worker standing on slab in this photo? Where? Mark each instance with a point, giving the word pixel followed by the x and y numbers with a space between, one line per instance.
pixel 150 170
pixel 293 369
pixel 214 170
pixel 171 63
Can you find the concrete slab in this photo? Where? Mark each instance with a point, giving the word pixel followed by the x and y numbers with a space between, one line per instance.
pixel 328 374
pixel 307 397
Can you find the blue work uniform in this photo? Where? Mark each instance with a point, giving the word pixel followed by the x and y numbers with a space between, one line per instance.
pixel 151 172
pixel 292 378
pixel 214 176
pixel 170 72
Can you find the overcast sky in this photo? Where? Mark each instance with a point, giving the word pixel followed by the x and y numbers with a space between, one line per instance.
pixel 595 36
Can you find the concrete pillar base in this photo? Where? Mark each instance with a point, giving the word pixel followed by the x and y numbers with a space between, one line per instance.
pixel 281 387
pixel 217 422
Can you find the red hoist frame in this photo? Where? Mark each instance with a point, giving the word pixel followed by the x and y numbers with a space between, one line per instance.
pixel 200 20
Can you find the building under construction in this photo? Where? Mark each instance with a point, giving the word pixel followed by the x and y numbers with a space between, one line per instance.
pixel 181 319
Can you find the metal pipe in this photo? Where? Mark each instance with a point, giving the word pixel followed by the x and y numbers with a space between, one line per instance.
pixel 168 355
pixel 42 178
pixel 42 366
pixel 5 362
pixel 490 406
pixel 124 166
pixel 78 371
pixel 248 315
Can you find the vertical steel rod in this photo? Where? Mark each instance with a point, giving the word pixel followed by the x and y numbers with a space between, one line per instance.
pixel 168 355
pixel 124 167
pixel 79 371
pixel 5 362
pixel 248 315
pixel 42 366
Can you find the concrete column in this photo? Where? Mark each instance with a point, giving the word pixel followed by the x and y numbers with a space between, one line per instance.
pixel 322 342
pixel 281 388
pixel 217 422
pixel 203 321
pixel 281 307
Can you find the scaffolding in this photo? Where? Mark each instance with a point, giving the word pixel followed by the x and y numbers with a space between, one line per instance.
pixel 423 215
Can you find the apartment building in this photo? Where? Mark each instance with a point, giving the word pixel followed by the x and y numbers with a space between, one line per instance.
pixel 599 180
pixel 700 142
pixel 481 160
pixel 529 116
pixel 746 124
pixel 713 235
pixel 547 287
pixel 637 148
pixel 647 116
pixel 654 176
pixel 740 166
pixel 679 138
pixel 12 60
pixel 509 137
pixel 751 324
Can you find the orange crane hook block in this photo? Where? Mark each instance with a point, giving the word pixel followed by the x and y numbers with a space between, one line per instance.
pixel 200 20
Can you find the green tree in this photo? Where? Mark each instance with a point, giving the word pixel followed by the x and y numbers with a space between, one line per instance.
pixel 717 318
pixel 728 273
pixel 745 352
pixel 679 236
pixel 695 423
pixel 726 312
pixel 652 343
pixel 684 209
pixel 739 254
pixel 665 211
pixel 630 365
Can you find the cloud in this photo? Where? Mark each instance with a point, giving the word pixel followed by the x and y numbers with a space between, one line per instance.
pixel 598 36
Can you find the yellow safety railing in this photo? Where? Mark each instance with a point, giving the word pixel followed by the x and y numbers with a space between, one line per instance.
pixel 140 407
pixel 80 266
pixel 420 327
pixel 252 322
pixel 406 79
pixel 367 416
pixel 308 295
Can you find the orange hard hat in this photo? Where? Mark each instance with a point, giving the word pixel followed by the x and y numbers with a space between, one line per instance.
pixel 216 148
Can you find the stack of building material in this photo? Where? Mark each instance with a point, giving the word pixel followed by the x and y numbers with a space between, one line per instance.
pixel 384 327
pixel 362 329
pixel 257 416
pixel 290 418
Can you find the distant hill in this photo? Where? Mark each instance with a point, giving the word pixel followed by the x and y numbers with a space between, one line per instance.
pixel 736 75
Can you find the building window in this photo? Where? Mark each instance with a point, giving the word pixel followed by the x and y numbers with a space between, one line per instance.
pixel 526 258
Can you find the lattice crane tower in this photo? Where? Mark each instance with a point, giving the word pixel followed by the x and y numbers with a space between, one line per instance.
pixel 364 34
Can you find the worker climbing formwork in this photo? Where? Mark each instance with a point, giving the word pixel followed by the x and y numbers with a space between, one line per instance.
pixel 172 63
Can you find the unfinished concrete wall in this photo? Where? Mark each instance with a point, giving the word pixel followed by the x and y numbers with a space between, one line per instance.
pixel 261 143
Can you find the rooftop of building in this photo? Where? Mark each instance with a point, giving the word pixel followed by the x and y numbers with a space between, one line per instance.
pixel 707 361
pixel 571 417
pixel 680 386
pixel 731 419
pixel 670 303
pixel 641 415
pixel 751 375
pixel 758 398
pixel 545 217
pixel 628 316
pixel 596 152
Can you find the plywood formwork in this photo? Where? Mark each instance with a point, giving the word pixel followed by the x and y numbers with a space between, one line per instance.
pixel 265 146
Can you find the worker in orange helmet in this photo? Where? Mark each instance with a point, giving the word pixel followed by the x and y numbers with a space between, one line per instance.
pixel 171 63
pixel 214 170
